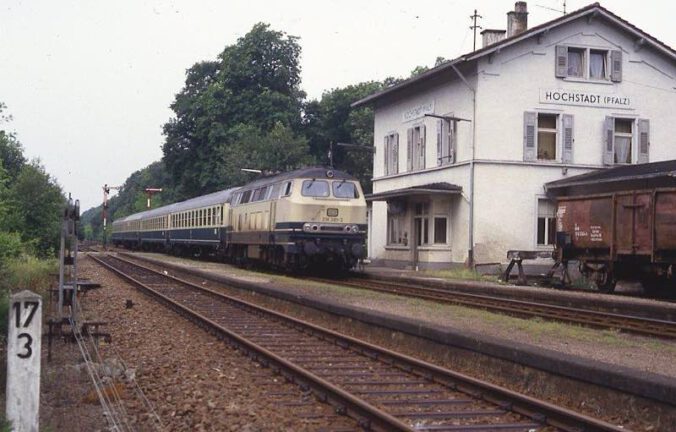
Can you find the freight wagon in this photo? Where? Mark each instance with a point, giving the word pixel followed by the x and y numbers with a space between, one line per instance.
pixel 619 223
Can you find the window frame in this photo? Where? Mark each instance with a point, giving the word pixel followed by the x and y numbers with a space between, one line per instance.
pixel 549 224
pixel 556 131
pixel 312 181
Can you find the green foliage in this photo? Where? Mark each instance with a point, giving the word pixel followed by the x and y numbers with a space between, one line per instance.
pixel 37 202
pixel 251 90
pixel 10 247
pixel 30 201
pixel 332 120
pixel 28 272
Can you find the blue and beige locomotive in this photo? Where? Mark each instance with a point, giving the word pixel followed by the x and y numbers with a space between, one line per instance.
pixel 292 220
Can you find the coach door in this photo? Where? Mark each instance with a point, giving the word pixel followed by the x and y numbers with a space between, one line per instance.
pixel 633 224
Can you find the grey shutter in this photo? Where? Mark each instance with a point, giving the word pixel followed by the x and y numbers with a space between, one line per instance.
pixel 608 141
pixel 440 155
pixel 616 65
pixel 643 140
pixel 409 149
pixel 386 151
pixel 395 154
pixel 567 138
pixel 452 141
pixel 529 123
pixel 561 65
pixel 421 163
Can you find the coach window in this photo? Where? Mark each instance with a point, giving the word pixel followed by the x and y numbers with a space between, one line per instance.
pixel 315 188
pixel 546 224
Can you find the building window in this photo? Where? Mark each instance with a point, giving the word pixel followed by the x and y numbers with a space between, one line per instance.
pixel 546 230
pixel 421 224
pixel 416 148
pixel 576 62
pixel 547 131
pixel 597 64
pixel 589 64
pixel 440 229
pixel 392 154
pixel 446 136
pixel 623 138
pixel 396 234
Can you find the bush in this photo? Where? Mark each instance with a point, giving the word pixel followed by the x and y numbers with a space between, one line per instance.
pixel 10 247
pixel 28 272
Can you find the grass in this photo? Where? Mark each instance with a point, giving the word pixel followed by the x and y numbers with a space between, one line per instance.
pixel 29 273
pixel 462 274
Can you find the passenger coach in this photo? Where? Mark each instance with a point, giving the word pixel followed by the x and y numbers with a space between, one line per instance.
pixel 308 216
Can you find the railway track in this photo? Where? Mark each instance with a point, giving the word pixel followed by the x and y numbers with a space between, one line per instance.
pixel 522 308
pixel 381 389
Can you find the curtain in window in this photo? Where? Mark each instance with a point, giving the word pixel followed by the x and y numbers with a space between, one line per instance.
pixel 574 63
pixel 622 147
pixel 597 65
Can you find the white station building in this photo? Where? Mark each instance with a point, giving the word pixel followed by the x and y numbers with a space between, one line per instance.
pixel 462 151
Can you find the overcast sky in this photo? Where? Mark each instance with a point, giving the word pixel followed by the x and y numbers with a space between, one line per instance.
pixel 89 83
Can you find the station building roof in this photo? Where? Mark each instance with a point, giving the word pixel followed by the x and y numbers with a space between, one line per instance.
pixel 441 188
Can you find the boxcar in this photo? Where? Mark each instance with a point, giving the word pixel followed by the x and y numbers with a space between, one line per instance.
pixel 619 223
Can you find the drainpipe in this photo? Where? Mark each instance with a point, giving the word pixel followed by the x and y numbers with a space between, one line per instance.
pixel 470 250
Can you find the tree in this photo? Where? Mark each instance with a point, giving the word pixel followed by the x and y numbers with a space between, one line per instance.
pixel 332 120
pixel 37 202
pixel 254 84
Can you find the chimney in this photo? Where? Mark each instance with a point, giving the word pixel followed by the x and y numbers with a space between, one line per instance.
pixel 517 20
pixel 489 37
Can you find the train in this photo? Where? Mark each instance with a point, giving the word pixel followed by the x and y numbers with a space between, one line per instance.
pixel 308 218
pixel 619 224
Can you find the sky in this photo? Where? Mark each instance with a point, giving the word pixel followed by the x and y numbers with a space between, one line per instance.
pixel 89 83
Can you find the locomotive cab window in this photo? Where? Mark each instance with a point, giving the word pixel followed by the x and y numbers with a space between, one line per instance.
pixel 315 188
pixel 343 189
pixel 286 189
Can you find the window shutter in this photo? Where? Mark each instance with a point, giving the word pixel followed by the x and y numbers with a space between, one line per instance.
pixel 386 152
pixel 609 145
pixel 409 149
pixel 440 134
pixel 421 163
pixel 561 65
pixel 452 141
pixel 529 122
pixel 567 138
pixel 616 65
pixel 395 154
pixel 643 140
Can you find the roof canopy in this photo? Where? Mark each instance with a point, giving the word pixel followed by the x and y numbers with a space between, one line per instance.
pixel 427 189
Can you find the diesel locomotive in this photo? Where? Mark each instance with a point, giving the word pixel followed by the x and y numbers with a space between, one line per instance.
pixel 295 220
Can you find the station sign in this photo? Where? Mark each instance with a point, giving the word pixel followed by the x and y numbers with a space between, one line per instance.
pixel 585 98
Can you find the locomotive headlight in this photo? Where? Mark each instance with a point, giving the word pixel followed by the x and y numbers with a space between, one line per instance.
pixel 348 228
pixel 315 227
pixel 355 228
pixel 307 227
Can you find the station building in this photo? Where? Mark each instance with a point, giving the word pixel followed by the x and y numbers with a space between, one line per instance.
pixel 462 151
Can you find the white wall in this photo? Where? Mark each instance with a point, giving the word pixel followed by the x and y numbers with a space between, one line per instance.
pixel 511 85
pixel 507 84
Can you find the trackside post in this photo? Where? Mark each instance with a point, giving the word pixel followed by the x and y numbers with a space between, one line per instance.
pixel 23 361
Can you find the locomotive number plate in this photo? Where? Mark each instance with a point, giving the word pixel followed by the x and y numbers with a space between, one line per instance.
pixel 332 212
